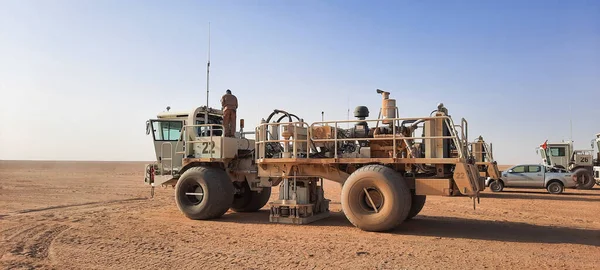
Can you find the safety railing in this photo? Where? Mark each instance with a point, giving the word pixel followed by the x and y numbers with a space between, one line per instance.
pixel 460 146
pixel 188 140
pixel 163 158
pixel 464 134
pixel 465 129
pixel 489 157
pixel 264 130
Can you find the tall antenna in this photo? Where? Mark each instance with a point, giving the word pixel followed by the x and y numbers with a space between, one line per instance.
pixel 348 113
pixel 571 121
pixel 207 77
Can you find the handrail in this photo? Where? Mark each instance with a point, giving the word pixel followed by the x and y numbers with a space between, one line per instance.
pixel 170 158
pixel 184 132
pixel 489 153
pixel 375 120
pixel 459 146
pixel 486 150
pixel 465 126
pixel 260 140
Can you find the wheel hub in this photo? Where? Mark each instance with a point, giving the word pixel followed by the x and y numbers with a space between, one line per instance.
pixel 495 186
pixel 372 199
pixel 194 194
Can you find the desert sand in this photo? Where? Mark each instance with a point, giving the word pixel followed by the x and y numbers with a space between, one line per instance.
pixel 99 215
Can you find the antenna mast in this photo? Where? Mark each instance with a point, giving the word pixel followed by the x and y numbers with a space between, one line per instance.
pixel 571 121
pixel 348 113
pixel 207 77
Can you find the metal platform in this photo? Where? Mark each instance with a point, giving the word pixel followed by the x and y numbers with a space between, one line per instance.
pixel 298 220
pixel 291 213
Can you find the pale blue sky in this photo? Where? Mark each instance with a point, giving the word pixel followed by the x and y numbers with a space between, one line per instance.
pixel 78 79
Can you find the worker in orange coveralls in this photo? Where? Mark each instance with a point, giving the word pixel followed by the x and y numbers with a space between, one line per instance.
pixel 229 106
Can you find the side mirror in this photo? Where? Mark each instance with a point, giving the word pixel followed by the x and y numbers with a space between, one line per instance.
pixel 147 127
pixel 242 123
pixel 510 171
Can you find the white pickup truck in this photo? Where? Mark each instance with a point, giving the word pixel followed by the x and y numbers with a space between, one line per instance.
pixel 533 176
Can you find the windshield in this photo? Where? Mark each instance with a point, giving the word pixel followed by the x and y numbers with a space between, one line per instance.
pixel 166 130
pixel 557 151
pixel 212 119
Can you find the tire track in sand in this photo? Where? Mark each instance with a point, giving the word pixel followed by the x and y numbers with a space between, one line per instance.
pixel 30 247
pixel 79 204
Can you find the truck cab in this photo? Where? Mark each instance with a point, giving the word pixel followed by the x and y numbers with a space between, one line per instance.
pixel 597 160
pixel 556 154
pixel 167 133
pixel 562 155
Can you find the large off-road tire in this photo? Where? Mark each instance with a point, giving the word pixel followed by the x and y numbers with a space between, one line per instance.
pixel 585 179
pixel 204 193
pixel 555 187
pixel 418 201
pixel 496 186
pixel 389 203
pixel 248 200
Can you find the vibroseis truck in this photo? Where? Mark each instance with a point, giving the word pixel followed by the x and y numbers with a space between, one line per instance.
pixel 581 162
pixel 387 166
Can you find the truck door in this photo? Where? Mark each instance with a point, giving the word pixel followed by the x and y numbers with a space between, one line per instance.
pixel 515 177
pixel 545 158
pixel 167 145
pixel 533 177
pixel 558 156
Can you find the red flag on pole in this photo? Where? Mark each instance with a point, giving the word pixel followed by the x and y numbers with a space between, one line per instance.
pixel 545 145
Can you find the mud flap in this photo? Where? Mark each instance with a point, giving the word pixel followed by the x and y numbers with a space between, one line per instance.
pixel 493 171
pixel 479 180
pixel 466 178
pixel 149 177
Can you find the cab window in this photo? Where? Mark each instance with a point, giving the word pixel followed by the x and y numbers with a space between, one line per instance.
pixel 205 131
pixel 557 151
pixel 519 169
pixel 534 169
pixel 166 130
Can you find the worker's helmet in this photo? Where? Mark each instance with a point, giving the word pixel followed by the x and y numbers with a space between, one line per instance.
pixel 228 91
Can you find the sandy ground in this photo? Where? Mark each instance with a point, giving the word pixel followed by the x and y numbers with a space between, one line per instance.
pixel 98 215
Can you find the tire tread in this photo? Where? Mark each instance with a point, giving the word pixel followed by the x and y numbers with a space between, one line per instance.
pixel 396 181
pixel 221 186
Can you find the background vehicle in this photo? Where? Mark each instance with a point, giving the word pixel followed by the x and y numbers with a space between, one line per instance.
pixel 597 161
pixel 562 155
pixel 387 166
pixel 534 176
pixel 484 159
